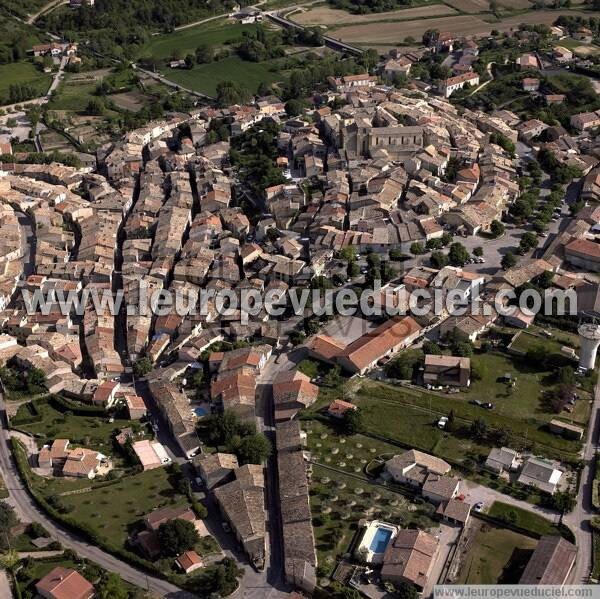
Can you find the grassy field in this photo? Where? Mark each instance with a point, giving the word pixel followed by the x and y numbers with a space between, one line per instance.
pixel 216 33
pixel 23 73
pixel 497 555
pixel 204 78
pixel 522 518
pixel 410 416
pixel 91 431
pixel 111 511
pixel 524 402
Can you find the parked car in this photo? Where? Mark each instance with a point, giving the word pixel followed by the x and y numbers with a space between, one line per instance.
pixel 442 422
pixel 488 405
pixel 478 507
pixel 475 402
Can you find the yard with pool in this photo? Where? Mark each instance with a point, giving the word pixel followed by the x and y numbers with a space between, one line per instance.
pixel 339 501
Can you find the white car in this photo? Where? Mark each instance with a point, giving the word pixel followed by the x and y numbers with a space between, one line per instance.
pixel 442 422
pixel 478 507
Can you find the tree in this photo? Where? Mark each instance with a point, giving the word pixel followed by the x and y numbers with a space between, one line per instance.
pixel 404 590
pixel 497 228
pixel 254 449
pixel 417 248
pixel 353 422
pixel 204 54
pixel 223 427
pixel 334 377
pixel 112 587
pixel 478 251
pixel 438 260
pixel 451 422
pixel 95 107
pixel 458 254
pixel 563 501
pixel 431 347
pixel 294 107
pixel 8 518
pixel 297 337
pixel 508 260
pixel 177 536
pixel 528 241
pixel 404 365
pixel 230 92
pixel 190 61
pixel 479 429
pixel 142 367
pixel 430 37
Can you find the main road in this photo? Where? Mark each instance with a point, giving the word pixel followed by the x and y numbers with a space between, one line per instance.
pixel 579 520
pixel 28 511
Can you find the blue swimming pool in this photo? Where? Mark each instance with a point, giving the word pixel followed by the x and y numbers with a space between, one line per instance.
pixel 380 540
pixel 200 412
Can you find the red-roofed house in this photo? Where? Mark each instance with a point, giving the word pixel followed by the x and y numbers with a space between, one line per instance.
pixel 64 583
pixel 338 407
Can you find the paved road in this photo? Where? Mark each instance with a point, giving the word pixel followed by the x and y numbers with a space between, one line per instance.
pixel 579 519
pixel 46 8
pixel 28 511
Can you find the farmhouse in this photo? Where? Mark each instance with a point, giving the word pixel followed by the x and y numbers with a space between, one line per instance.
pixel 447 370
pixel 450 85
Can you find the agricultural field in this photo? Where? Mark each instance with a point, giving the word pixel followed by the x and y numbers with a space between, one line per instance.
pixel 470 6
pixel 324 15
pixel 381 34
pixel 216 33
pixel 495 555
pixel 132 100
pixel 22 73
pixel 204 78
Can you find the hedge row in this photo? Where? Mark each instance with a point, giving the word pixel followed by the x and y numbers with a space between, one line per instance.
pixel 73 525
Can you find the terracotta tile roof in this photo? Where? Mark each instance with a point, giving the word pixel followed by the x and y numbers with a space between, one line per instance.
pixel 64 583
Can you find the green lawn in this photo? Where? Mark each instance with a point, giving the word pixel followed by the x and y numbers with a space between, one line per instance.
pixel 94 432
pixel 73 96
pixel 23 73
pixel 215 33
pixel 522 518
pixel 204 78
pixel 497 555
pixel 525 401
pixel 112 510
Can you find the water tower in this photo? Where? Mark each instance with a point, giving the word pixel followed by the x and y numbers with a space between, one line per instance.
pixel 589 339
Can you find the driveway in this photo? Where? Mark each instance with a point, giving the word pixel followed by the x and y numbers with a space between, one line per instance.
pixel 475 493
